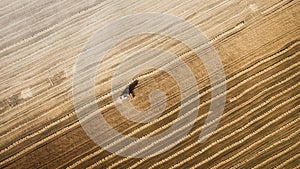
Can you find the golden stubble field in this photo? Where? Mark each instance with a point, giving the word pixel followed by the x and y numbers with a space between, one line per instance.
pixel 256 40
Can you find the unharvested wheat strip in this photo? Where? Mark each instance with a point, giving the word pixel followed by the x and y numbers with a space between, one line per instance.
pixel 256 154
pixel 227 125
pixel 246 138
pixel 38 131
pixel 276 156
pixel 266 137
pixel 288 161
pixel 249 101
pixel 187 137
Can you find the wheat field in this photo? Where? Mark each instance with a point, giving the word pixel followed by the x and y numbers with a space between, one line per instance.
pixel 258 42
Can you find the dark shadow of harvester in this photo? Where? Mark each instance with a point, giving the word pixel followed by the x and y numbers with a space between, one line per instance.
pixel 128 92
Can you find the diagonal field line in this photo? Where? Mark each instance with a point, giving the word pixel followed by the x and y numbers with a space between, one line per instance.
pixel 212 122
pixel 256 154
pixel 288 161
pixel 279 154
pixel 75 124
pixel 108 94
pixel 248 137
pixel 271 87
pixel 239 84
pixel 42 140
pixel 252 67
pixel 75 164
pixel 220 129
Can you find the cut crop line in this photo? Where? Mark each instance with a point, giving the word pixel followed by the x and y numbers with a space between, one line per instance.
pixel 35 145
pixel 275 7
pixel 277 155
pixel 273 55
pixel 288 161
pixel 256 154
pixel 209 90
pixel 144 76
pixel 53 27
pixel 229 124
pixel 155 121
pixel 12 4
pixel 61 23
pixel 273 77
pixel 249 101
pixel 13 34
pixel 175 7
pixel 93 8
pixel 228 80
pixel 190 135
pixel 248 137
pixel 58 121
pixel 71 58
pixel 34 134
